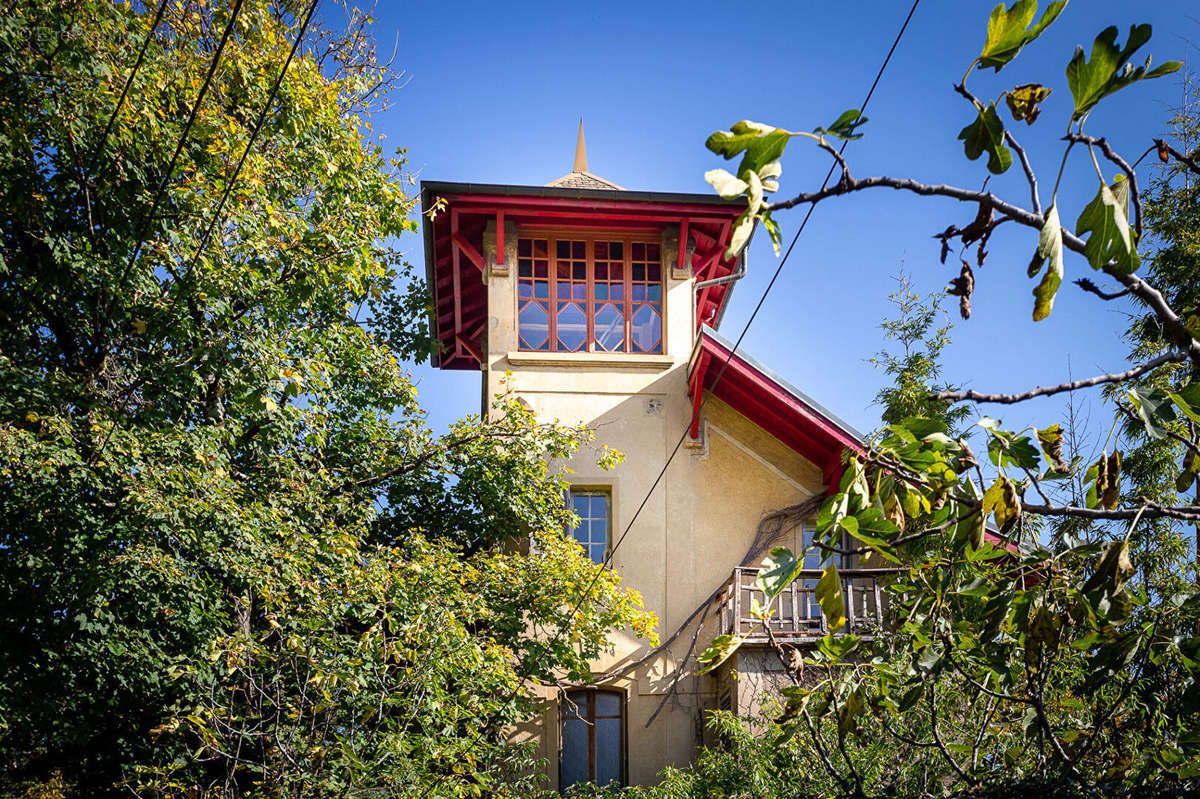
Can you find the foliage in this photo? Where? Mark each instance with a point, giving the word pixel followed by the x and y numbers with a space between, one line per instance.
pixel 916 370
pixel 198 425
pixel 1012 657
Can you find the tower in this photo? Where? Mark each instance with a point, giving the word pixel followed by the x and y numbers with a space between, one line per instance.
pixel 603 304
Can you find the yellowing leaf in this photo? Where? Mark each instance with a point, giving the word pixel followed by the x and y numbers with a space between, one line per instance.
pixel 1050 251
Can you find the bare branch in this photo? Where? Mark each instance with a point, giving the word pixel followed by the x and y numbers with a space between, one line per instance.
pixel 1091 287
pixel 1190 163
pixel 1045 391
pixel 1145 292
pixel 1152 510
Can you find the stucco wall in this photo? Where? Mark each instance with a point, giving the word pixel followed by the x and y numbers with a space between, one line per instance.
pixel 698 523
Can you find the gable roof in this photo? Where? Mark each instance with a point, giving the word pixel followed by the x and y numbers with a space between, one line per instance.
pixel 781 409
pixel 766 399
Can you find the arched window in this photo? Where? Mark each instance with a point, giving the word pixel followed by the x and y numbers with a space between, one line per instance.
pixel 592 738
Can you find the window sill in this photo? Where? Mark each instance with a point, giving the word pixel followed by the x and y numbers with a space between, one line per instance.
pixel 593 359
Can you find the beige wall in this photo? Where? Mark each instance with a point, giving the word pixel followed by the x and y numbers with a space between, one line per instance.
pixel 699 521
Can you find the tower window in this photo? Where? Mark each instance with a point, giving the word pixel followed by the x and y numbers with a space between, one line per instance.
pixel 593 509
pixel 589 294
pixel 593 738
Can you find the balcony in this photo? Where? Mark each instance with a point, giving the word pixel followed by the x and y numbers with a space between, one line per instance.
pixel 797 614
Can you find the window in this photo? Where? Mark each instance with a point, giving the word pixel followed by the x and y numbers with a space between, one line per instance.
pixel 593 738
pixel 589 294
pixel 817 558
pixel 592 508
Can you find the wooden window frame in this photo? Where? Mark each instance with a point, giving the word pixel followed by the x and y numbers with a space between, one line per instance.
pixel 590 237
pixel 606 492
pixel 589 717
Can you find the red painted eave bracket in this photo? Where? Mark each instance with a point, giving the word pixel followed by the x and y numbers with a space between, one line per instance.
pixel 696 391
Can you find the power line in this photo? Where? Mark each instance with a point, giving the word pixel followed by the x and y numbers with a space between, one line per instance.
pixel 129 81
pixel 312 7
pixel 162 186
pixel 761 300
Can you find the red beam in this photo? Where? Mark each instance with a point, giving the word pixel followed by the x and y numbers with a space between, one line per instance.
pixel 457 272
pixel 470 347
pixel 464 246
pixel 716 212
pixel 500 238
pixel 683 241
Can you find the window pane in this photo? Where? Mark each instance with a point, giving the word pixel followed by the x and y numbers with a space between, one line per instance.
pixel 609 326
pixel 533 324
pixel 574 752
pixel 647 329
pixel 596 552
pixel 608 704
pixel 572 327
pixel 608 751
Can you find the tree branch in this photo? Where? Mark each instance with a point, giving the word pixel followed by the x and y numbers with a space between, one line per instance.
pixel 1149 295
pixel 1190 163
pixel 1045 391
pixel 1152 510
pixel 1091 287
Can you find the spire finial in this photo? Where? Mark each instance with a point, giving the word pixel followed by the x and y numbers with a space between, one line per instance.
pixel 580 151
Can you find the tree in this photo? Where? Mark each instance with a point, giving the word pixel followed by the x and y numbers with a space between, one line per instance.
pixel 1010 657
pixel 917 368
pixel 200 592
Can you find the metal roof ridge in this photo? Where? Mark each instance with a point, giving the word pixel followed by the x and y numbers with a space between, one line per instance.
pixel 770 374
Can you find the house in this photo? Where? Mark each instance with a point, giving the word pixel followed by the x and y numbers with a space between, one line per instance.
pixel 605 306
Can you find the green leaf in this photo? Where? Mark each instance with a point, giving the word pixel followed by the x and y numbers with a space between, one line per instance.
pixel 1015 452
pixel 1154 409
pixel 1108 69
pixel 742 229
pixel 760 144
pixel 1110 239
pixel 773 230
pixel 1008 31
pixel 718 652
pixel 778 570
pixel 829 595
pixel 1050 248
pixel 727 186
pixel 923 427
pixel 837 649
pixel 845 125
pixel 1188 409
pixel 986 134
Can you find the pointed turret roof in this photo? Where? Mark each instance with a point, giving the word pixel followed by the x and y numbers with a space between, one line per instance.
pixel 579 177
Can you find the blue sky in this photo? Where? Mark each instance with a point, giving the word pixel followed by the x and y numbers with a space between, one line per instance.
pixel 494 92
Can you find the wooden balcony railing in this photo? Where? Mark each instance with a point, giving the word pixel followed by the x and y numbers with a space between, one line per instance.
pixel 797 614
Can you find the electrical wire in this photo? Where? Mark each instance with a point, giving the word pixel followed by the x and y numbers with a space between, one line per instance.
pixel 761 300
pixel 262 117
pixel 162 186
pixel 129 81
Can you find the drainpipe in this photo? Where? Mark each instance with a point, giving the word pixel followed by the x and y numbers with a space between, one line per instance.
pixel 732 277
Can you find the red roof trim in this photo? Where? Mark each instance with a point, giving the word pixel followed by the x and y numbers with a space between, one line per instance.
pixel 771 404
pixel 454 241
